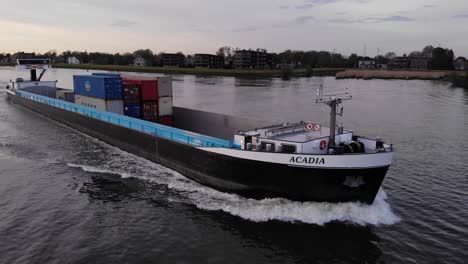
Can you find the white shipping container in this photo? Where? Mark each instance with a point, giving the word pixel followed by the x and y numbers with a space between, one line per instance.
pixel 114 106
pixel 164 86
pixel 165 106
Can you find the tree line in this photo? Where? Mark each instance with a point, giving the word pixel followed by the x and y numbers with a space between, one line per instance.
pixel 440 58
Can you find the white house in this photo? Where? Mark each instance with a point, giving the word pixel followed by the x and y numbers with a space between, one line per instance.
pixel 5 60
pixel 460 64
pixel 366 63
pixel 73 60
pixel 382 66
pixel 139 61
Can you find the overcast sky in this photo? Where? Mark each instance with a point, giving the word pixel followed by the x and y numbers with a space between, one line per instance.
pixel 190 26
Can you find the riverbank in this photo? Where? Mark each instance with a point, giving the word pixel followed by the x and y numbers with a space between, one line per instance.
pixel 395 74
pixel 203 71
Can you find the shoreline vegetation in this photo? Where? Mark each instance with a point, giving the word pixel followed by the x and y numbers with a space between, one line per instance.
pixel 399 74
pixel 208 72
pixel 459 78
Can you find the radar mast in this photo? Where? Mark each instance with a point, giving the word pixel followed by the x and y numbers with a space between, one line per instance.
pixel 333 100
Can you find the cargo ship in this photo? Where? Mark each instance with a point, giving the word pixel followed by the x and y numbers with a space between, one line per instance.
pixel 301 161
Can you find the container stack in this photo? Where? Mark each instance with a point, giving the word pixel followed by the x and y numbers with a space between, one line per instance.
pixel 156 98
pixel 103 92
pixel 132 99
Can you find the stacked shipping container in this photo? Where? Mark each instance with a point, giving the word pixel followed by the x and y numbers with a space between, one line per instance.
pixel 103 92
pixel 132 99
pixel 135 96
pixel 156 98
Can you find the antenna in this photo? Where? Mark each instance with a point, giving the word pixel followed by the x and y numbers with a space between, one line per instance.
pixel 327 98
pixel 333 100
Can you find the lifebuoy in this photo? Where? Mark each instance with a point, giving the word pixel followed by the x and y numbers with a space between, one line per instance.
pixel 323 145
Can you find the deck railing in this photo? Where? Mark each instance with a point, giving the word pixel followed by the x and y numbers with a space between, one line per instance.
pixel 159 130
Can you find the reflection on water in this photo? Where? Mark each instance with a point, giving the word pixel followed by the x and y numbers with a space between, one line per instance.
pixel 253 82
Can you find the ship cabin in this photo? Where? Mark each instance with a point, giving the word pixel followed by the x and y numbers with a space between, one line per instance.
pixel 304 138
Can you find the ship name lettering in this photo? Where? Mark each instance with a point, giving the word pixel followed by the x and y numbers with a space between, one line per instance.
pixel 307 160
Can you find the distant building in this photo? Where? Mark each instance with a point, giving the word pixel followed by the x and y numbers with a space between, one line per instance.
pixel 382 66
pixel 73 60
pixel 288 65
pixel 399 63
pixel 229 62
pixel 139 61
pixel 208 61
pixel 172 60
pixel 5 59
pixel 21 55
pixel 249 59
pixel 460 64
pixel 419 63
pixel 190 61
pixel 366 63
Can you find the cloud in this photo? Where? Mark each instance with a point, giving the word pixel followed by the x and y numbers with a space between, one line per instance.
pixel 123 23
pixel 398 18
pixel 303 20
pixel 342 20
pixel 321 2
pixel 307 4
pixel 245 29
pixel 429 6
pixel 372 20
pixel 461 16
pixel 284 7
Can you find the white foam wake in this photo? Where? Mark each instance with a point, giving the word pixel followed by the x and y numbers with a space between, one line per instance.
pixel 127 165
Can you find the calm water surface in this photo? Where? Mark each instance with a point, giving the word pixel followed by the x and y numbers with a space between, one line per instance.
pixel 68 198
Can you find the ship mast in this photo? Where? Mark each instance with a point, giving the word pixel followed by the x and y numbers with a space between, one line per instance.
pixel 33 65
pixel 333 100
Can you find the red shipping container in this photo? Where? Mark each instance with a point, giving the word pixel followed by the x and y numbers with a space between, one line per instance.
pixel 149 90
pixel 132 92
pixel 149 86
pixel 150 111
pixel 166 120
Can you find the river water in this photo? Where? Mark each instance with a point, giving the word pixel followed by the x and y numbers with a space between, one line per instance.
pixel 68 198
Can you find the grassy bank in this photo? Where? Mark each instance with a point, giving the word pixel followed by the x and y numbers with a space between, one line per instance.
pixel 399 74
pixel 199 71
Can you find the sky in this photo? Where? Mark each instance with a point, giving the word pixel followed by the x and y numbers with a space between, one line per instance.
pixel 365 27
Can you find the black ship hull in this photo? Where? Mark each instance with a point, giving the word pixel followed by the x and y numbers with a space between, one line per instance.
pixel 250 178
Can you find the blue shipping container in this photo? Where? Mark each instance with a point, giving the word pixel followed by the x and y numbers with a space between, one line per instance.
pixel 116 75
pixel 104 87
pixel 132 110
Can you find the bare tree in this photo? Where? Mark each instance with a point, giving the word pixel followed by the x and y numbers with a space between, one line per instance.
pixel 390 55
pixel 225 51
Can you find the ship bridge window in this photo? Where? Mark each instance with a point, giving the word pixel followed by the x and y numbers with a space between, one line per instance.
pixel 287 148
